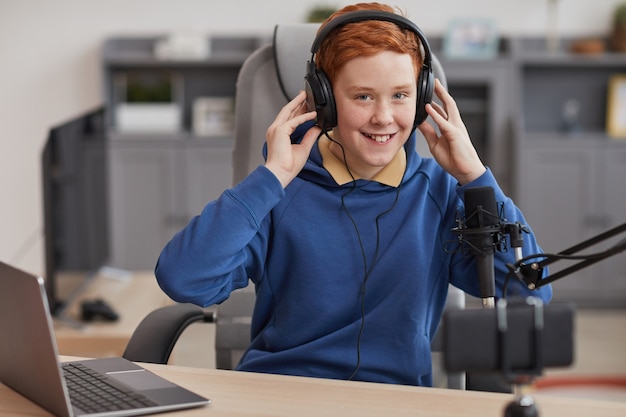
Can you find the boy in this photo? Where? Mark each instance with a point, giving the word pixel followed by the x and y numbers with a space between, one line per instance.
pixel 345 229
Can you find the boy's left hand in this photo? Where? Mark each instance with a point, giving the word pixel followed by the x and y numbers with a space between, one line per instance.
pixel 453 148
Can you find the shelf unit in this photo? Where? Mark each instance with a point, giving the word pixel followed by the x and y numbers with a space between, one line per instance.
pixel 214 76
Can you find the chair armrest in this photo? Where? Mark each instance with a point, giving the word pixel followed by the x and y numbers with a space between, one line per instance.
pixel 154 338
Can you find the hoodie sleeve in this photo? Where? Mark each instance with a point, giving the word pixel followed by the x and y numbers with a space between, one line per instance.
pixel 222 247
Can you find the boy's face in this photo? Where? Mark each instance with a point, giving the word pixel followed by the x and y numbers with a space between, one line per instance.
pixel 376 99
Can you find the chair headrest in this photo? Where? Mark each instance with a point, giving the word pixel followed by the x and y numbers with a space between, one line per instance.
pixel 292 50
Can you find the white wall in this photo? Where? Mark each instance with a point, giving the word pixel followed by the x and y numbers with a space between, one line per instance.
pixel 49 69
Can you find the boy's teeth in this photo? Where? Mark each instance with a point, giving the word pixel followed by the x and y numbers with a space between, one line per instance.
pixel 380 138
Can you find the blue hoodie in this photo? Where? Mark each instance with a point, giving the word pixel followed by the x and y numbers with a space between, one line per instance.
pixel 351 280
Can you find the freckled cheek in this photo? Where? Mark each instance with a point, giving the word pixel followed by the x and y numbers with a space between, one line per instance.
pixel 354 117
pixel 407 114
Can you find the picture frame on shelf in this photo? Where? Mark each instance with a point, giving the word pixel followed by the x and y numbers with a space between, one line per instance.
pixel 616 107
pixel 213 116
pixel 471 39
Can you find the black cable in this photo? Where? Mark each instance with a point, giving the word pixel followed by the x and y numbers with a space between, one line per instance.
pixel 367 271
pixel 507 279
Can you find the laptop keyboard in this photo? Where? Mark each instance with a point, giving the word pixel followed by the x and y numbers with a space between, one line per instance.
pixel 93 392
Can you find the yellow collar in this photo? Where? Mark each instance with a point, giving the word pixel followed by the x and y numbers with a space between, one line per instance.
pixel 390 175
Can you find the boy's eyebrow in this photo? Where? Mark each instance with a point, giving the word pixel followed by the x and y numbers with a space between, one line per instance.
pixel 367 89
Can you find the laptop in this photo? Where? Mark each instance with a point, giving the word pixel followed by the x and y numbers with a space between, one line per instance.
pixel 29 362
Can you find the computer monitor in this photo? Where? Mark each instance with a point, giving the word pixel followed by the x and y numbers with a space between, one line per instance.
pixel 75 197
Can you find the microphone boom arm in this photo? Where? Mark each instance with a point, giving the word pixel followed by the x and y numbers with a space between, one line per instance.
pixel 530 273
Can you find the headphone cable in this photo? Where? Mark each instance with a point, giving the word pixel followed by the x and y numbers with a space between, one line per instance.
pixel 367 271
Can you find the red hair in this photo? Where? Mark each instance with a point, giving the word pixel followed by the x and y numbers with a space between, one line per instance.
pixel 365 38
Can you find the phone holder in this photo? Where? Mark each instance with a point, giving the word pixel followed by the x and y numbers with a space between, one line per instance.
pixel 517 339
pixel 522 405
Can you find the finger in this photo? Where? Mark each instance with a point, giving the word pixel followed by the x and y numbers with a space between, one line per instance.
pixel 310 137
pixel 439 110
pixel 300 100
pixel 441 91
pixel 449 104
pixel 429 132
pixel 300 103
pixel 438 114
pixel 295 106
pixel 280 127
pixel 292 115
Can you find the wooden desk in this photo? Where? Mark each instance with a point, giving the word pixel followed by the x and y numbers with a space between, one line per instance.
pixel 248 394
pixel 132 297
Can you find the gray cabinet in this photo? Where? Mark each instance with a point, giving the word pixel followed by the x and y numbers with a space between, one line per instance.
pixel 160 179
pixel 570 192
pixel 156 187
pixel 570 176
pixel 142 202
pixel 615 213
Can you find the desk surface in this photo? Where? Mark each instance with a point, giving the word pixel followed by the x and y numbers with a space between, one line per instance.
pixel 248 394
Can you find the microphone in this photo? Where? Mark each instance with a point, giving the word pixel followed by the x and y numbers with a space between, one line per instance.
pixel 483 232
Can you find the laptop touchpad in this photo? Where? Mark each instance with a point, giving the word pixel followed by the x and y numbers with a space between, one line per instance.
pixel 141 380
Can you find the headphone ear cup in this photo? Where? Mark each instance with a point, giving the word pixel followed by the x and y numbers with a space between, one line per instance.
pixel 425 86
pixel 320 98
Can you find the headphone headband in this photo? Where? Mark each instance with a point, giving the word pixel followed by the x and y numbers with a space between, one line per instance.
pixel 364 15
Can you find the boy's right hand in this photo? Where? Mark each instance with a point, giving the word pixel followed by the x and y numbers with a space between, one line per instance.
pixel 285 159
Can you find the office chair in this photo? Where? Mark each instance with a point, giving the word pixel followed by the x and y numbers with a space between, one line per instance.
pixel 268 79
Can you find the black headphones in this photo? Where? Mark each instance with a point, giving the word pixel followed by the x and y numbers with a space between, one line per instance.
pixel 319 90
